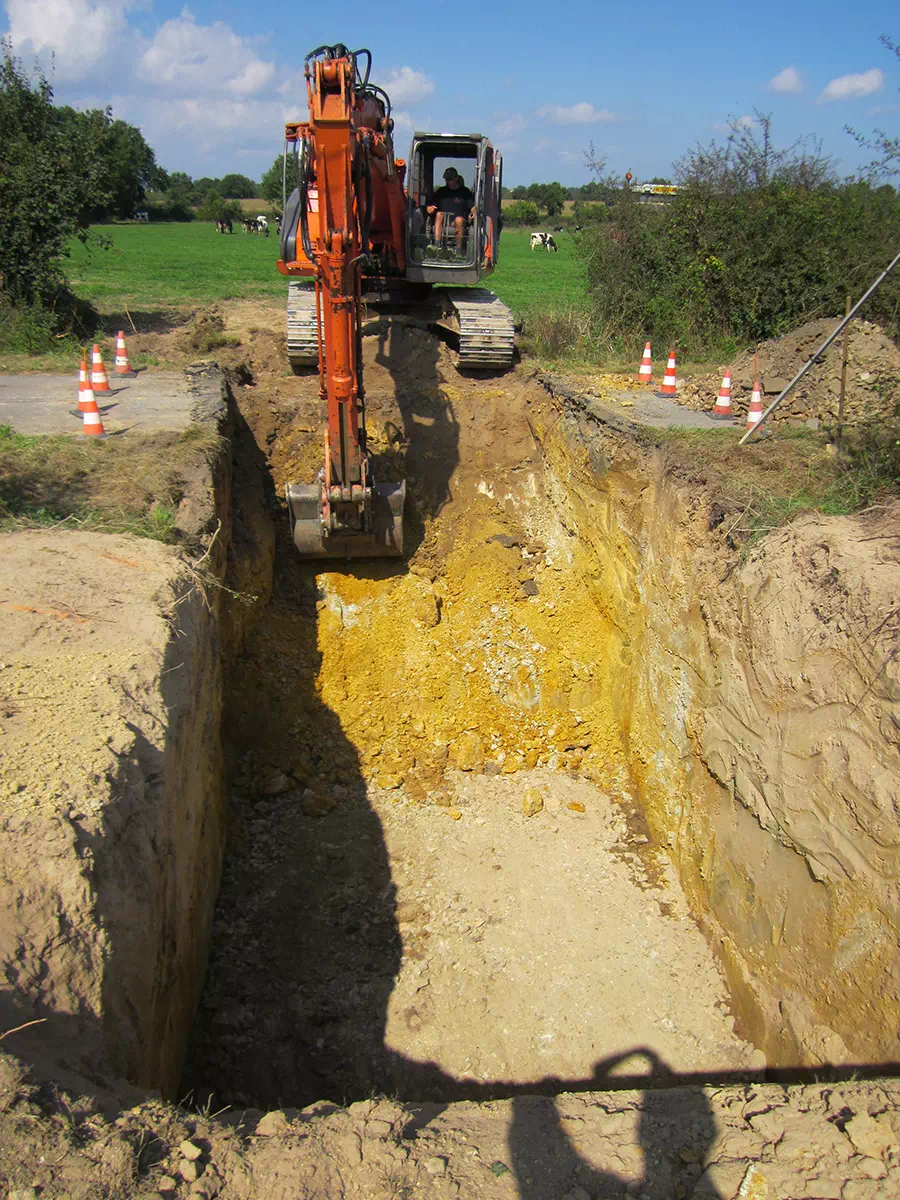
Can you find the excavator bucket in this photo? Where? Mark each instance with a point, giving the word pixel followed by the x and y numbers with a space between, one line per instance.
pixel 385 540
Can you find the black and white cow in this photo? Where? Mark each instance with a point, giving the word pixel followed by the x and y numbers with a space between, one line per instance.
pixel 262 226
pixel 224 226
pixel 543 241
pixel 247 226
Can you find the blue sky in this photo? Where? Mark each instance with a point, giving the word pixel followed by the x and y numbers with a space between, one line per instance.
pixel 212 84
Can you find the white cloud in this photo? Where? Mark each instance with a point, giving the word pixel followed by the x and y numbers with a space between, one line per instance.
pixel 789 81
pixel 578 114
pixel 78 33
pixel 186 58
pixel 403 122
pixel 729 126
pixel 406 86
pixel 881 110
pixel 849 87
pixel 509 125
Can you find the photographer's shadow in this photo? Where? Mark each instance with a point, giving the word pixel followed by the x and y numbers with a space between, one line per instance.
pixel 674 1130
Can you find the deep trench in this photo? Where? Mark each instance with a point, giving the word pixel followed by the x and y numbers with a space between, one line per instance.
pixel 390 920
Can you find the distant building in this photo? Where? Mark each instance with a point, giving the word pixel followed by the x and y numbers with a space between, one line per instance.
pixel 655 193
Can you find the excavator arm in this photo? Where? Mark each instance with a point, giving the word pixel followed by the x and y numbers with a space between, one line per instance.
pixel 350 192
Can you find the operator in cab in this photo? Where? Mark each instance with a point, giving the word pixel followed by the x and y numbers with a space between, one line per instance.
pixel 452 202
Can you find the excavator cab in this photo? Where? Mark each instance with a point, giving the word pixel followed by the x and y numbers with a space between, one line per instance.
pixel 453 218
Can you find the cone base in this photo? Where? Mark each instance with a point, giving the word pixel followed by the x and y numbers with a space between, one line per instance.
pixel 667 395
pixel 126 374
pixel 722 416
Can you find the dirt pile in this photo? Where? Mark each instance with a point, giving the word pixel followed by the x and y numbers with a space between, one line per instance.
pixel 873 375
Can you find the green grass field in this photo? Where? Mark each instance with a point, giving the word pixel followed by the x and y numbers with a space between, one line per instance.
pixel 175 264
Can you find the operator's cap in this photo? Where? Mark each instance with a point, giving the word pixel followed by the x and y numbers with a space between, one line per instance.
pixel 451 173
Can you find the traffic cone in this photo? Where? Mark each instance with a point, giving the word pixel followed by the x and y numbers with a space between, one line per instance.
pixel 85 391
pixel 754 412
pixel 645 374
pixel 668 384
pixel 123 366
pixel 92 422
pixel 99 378
pixel 722 410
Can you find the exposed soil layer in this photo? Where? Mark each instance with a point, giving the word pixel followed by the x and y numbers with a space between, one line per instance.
pixel 574 791
pixel 390 724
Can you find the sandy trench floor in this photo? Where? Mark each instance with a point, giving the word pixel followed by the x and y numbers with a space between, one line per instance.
pixel 390 920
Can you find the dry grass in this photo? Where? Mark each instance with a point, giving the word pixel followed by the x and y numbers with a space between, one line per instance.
pixel 122 485
pixel 791 470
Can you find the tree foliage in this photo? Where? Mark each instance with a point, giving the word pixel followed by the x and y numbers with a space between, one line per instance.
pixel 270 187
pixel 521 212
pixel 214 207
pixel 741 265
pixel 237 187
pixel 749 158
pixel 52 178
pixel 547 197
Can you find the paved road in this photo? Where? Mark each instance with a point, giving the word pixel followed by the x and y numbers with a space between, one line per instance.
pixel 646 408
pixel 152 401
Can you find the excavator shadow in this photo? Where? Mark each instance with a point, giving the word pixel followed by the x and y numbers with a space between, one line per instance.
pixel 423 448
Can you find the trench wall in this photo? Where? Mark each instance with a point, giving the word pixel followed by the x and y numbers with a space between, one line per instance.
pixel 761 703
pixel 114 842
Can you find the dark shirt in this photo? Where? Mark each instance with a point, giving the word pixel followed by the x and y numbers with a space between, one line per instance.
pixel 457 201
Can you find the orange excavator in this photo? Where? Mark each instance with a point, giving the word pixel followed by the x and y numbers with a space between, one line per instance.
pixel 356 239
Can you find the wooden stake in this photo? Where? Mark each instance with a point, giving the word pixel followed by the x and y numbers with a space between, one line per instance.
pixel 844 346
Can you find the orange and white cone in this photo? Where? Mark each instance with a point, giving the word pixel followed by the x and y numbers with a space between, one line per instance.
pixel 755 411
pixel 92 422
pixel 668 384
pixel 99 378
pixel 85 391
pixel 645 374
pixel 722 410
pixel 123 366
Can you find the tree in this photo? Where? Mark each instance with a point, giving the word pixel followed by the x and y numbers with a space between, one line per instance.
pixel 52 177
pixel 238 187
pixel 749 159
pixel 520 192
pixel 521 212
pixel 130 168
pixel 217 208
pixel 660 179
pixel 555 196
pixel 205 184
pixel 271 185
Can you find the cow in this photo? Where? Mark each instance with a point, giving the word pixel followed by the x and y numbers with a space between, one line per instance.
pixel 247 226
pixel 543 241
pixel 577 228
pixel 558 228
pixel 224 226
pixel 262 226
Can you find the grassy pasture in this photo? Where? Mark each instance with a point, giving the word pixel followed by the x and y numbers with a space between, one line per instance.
pixel 184 264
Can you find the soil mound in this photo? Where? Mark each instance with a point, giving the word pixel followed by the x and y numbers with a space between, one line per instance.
pixel 873 372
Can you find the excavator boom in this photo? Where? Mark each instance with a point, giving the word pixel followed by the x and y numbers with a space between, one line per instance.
pixel 344 144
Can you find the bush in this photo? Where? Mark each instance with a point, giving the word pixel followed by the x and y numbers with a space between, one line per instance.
pixel 746 266
pixel 170 210
pixel 521 212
